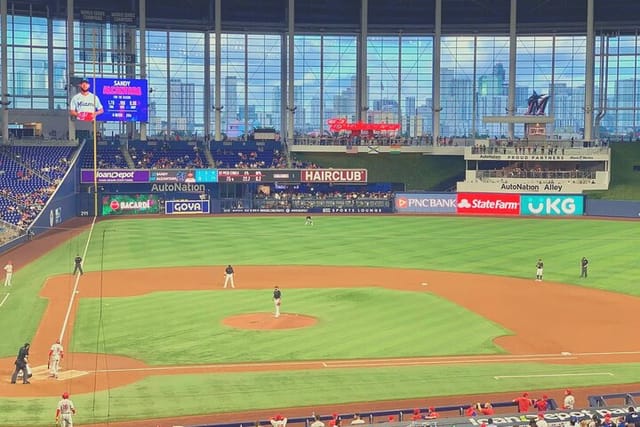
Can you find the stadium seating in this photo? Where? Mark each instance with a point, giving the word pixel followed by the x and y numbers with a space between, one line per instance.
pixel 28 176
pixel 108 156
pixel 166 155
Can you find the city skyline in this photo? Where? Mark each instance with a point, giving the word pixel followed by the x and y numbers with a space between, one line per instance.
pixel 474 77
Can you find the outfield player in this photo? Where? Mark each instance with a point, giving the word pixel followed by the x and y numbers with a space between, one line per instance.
pixel 65 411
pixel 308 220
pixel 228 276
pixel 277 296
pixel 56 353
pixel 539 270
pixel 584 265
pixel 8 269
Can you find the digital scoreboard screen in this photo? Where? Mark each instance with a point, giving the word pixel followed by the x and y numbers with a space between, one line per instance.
pixel 258 175
pixel 123 100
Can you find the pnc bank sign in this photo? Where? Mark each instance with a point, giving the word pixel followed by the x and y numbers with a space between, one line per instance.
pixel 425 203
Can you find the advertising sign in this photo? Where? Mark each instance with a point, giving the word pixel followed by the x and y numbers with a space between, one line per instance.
pixel 172 175
pixel 186 207
pixel 122 99
pixel 130 204
pixel 488 204
pixel 107 176
pixel 551 205
pixel 442 203
pixel 334 175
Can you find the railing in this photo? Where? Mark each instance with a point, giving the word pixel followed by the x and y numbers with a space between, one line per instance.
pixel 536 174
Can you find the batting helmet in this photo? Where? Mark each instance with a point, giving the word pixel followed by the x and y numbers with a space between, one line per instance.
pixel 65 395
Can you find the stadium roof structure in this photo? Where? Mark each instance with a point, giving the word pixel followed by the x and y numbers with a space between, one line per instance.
pixel 384 16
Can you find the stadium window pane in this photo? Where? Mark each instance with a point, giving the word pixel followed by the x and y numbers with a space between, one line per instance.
pixel 383 77
pixel 157 75
pixel 263 80
pixel 308 72
pixel 186 82
pixel 416 85
pixel 233 80
pixel 340 76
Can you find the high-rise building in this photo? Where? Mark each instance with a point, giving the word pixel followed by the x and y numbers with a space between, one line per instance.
pixel 183 105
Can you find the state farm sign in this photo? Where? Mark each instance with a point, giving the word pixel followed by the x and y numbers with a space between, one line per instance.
pixel 488 204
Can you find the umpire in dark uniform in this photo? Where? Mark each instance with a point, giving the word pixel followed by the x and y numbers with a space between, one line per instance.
pixel 77 265
pixel 21 365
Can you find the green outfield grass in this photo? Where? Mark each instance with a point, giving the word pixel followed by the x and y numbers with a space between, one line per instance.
pixel 503 246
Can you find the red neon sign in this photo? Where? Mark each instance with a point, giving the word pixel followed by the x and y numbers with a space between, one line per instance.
pixel 337 125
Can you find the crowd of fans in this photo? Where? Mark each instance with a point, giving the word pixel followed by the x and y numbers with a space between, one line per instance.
pixel 536 173
pixel 291 198
pixel 164 157
pixel 25 206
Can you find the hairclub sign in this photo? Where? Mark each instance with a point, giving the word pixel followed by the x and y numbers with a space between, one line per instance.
pixel 488 204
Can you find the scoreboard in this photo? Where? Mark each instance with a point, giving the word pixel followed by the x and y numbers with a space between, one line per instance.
pixel 205 176
pixel 258 175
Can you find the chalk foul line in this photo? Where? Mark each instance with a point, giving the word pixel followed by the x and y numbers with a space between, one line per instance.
pixel 583 374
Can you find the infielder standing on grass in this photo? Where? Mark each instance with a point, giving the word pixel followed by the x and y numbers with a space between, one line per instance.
pixel 56 353
pixel 8 273
pixel 276 300
pixel 228 276
pixel 65 411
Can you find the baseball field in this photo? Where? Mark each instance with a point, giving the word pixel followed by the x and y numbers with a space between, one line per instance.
pixel 375 309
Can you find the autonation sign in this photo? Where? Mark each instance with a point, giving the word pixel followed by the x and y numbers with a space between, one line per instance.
pixel 439 203
pixel 551 205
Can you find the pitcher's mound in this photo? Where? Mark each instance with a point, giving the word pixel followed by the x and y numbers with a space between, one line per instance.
pixel 262 321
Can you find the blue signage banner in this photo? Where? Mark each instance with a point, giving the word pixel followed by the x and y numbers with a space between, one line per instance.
pixel 551 205
pixel 439 203
pixel 186 207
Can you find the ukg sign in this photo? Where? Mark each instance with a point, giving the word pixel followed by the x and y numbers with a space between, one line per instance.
pixel 488 204
pixel 552 205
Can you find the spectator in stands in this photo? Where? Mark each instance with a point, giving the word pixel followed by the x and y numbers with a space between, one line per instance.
pixel 569 400
pixel 632 417
pixel 595 421
pixel 317 422
pixel 490 423
pixel 278 421
pixel 357 420
pixel 541 422
pixel 573 420
pixel 487 409
pixel 541 404
pixel 608 421
pixel 431 413
pixel 523 402
pixel 471 411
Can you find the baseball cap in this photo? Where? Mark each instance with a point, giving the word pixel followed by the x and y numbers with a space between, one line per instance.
pixel 84 80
